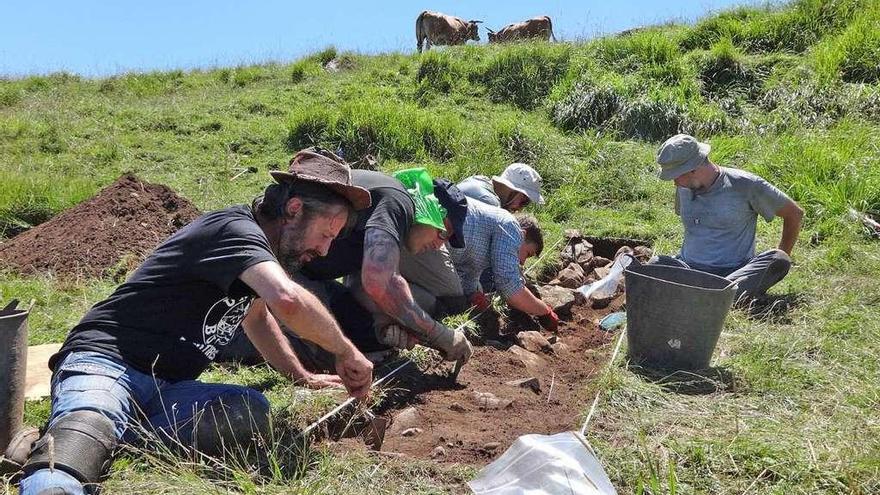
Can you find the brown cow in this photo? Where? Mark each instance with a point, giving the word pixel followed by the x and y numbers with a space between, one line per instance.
pixel 441 29
pixel 538 27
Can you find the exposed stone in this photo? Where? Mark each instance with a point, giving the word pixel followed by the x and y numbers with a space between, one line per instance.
pixel 602 272
pixel 552 339
pixel 531 383
pixel 643 253
pixel 455 406
pixel 406 419
pixel 438 451
pixel 622 251
pixel 530 360
pixel 571 276
pixel 577 251
pixel 533 341
pixel 410 432
pixel 559 298
pixel 486 400
pixel 491 446
pixel 573 235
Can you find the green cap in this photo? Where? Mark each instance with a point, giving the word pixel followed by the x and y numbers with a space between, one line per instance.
pixel 419 185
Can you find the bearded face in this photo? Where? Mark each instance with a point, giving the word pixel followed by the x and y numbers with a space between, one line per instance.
pixel 293 243
pixel 304 237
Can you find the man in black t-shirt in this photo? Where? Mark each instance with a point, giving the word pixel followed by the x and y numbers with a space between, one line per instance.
pixel 135 355
pixel 404 215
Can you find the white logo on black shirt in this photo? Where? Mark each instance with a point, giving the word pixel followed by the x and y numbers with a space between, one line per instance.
pixel 220 323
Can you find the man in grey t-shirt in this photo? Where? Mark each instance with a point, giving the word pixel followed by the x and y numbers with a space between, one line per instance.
pixel 719 208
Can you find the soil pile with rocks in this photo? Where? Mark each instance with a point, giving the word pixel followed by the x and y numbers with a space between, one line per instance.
pixel 107 235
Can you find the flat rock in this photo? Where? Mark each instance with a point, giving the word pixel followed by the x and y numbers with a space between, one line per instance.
pixel 559 298
pixel 438 451
pixel 486 400
pixel 455 406
pixel 622 251
pixel 531 383
pixel 533 341
pixel 530 360
pixel 602 271
pixel 404 420
pixel 570 277
pixel 491 446
pixel 643 253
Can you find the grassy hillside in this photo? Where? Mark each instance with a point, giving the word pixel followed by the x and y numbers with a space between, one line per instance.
pixel 791 93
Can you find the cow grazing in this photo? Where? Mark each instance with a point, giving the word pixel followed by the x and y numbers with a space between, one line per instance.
pixel 434 28
pixel 538 27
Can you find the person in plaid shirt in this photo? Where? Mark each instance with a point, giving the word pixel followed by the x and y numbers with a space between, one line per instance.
pixel 496 241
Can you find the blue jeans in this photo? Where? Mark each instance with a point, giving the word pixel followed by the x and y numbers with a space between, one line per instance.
pixel 134 401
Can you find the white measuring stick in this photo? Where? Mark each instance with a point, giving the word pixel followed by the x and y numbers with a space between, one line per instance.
pixel 349 401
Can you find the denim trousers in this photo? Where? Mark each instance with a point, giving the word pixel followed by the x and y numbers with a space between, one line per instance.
pixel 136 402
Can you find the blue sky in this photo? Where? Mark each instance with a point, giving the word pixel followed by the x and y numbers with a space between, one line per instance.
pixel 95 38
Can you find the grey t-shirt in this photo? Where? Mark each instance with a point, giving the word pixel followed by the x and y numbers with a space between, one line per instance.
pixel 480 187
pixel 719 223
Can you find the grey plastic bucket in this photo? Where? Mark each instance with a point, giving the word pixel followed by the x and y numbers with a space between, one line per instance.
pixel 674 315
pixel 13 365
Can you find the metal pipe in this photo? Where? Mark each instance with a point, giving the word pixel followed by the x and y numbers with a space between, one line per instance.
pixel 13 365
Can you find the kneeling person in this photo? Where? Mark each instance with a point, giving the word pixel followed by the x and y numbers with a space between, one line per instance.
pixel 498 243
pixel 135 356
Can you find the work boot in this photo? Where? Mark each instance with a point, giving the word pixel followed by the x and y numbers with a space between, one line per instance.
pixel 18 449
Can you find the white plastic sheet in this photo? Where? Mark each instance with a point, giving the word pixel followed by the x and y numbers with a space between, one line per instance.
pixel 560 464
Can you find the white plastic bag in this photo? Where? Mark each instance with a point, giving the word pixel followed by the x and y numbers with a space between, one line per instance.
pixel 607 286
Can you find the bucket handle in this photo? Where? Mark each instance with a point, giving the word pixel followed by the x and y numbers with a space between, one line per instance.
pixel 731 283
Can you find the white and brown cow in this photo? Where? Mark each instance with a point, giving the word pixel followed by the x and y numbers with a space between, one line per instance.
pixel 434 28
pixel 538 28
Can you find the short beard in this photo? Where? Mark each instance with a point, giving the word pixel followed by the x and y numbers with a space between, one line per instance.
pixel 290 250
pixel 291 263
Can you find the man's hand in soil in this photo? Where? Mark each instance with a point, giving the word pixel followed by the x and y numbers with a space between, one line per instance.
pixel 451 343
pixel 396 336
pixel 356 372
pixel 319 381
pixel 549 321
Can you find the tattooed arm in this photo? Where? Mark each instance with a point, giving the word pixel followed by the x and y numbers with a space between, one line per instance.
pixel 383 283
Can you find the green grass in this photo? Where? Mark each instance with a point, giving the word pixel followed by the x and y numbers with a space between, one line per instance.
pixel 790 93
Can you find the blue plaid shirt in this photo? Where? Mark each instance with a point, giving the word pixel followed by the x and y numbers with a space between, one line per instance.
pixel 493 238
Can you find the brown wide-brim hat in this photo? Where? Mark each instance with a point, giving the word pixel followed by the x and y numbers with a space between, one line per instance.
pixel 327 169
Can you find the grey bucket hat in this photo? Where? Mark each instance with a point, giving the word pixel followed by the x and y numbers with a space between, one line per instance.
pixel 680 154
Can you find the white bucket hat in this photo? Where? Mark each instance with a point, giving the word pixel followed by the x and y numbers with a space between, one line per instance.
pixel 680 154
pixel 524 179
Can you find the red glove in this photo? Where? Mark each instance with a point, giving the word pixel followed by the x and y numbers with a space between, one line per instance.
pixel 550 321
pixel 480 301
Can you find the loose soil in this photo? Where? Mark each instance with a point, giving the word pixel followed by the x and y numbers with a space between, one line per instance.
pixel 465 431
pixel 107 235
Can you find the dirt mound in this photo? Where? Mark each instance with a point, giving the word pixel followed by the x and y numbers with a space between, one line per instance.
pixel 104 236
